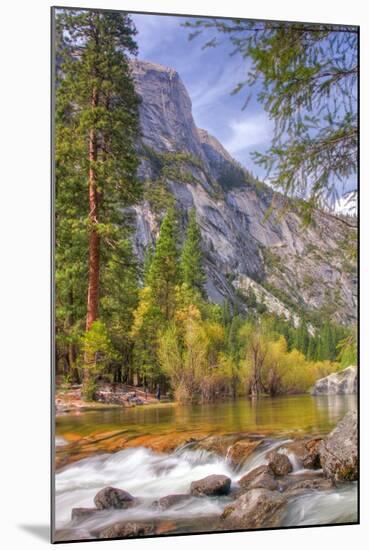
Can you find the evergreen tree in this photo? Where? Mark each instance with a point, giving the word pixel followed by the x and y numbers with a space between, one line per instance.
pixel 312 349
pixel 163 275
pixel 119 298
pixel 301 341
pixel 307 77
pixel 226 313
pixel 95 166
pixel 191 259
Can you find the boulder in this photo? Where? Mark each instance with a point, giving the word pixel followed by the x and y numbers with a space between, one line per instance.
pixel 254 509
pixel 339 451
pixel 342 382
pixel 82 513
pixel 212 485
pixel 279 464
pixel 241 450
pixel 126 529
pixel 170 500
pixel 259 478
pixel 110 497
pixel 314 484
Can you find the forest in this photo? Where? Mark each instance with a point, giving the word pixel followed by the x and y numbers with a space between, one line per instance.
pixel 150 324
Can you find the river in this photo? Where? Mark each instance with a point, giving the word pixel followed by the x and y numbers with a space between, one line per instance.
pixel 152 451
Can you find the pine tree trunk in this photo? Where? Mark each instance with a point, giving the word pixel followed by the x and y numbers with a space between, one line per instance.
pixel 94 241
pixel 72 352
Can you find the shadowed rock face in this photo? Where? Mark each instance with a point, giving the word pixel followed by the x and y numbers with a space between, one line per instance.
pixel 244 250
pixel 338 383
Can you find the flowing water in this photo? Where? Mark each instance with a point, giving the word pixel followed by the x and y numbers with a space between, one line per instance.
pixel 150 475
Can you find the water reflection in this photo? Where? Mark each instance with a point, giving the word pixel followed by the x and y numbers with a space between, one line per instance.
pixel 335 406
pixel 301 413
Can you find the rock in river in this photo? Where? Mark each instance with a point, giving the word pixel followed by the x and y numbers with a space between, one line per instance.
pixel 259 478
pixel 110 497
pixel 279 464
pixel 337 383
pixel 212 485
pixel 305 452
pixel 254 509
pixel 241 450
pixel 170 500
pixel 79 514
pixel 339 452
pixel 125 529
pixel 313 484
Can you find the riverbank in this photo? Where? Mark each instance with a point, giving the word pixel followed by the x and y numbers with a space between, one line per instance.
pixel 69 399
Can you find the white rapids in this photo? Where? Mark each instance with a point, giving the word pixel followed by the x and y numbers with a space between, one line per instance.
pixel 150 475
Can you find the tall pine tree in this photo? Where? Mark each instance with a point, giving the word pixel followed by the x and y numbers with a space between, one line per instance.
pixel 95 166
pixel 164 273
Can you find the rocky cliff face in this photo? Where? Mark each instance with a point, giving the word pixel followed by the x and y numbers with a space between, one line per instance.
pixel 251 249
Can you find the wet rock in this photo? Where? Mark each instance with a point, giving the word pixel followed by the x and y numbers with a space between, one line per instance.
pixel 314 484
pixel 241 450
pixel 212 485
pixel 254 509
pixel 312 456
pixel 170 500
pixel 259 478
pixel 339 451
pixel 127 529
pixel 279 464
pixel 82 513
pixel 337 383
pixel 306 452
pixel 215 444
pixel 110 497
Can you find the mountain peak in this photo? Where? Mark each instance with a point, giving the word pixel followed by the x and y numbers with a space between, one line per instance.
pixel 293 272
pixel 143 66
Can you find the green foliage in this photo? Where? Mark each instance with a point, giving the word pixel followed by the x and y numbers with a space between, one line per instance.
pixel 306 79
pixel 191 267
pixel 347 349
pixel 157 195
pixel 92 53
pixel 148 319
pixel 96 343
pixel 164 272
pixel 89 390
pixel 177 166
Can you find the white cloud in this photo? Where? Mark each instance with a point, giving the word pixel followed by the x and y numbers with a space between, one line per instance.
pixel 206 93
pixel 247 132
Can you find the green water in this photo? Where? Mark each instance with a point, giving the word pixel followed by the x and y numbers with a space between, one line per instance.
pixel 291 414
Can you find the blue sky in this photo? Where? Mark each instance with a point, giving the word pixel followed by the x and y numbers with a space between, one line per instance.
pixel 210 75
